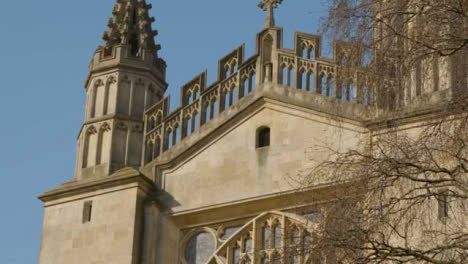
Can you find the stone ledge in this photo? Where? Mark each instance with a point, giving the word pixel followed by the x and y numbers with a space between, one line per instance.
pixel 251 207
pixel 121 177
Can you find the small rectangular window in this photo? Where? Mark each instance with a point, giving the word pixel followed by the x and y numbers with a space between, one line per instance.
pixel 443 203
pixel 263 137
pixel 87 211
pixel 108 52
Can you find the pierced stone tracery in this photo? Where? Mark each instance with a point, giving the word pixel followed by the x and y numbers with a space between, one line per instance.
pixel 272 237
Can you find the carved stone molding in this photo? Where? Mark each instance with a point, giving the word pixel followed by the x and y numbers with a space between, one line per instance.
pixel 91 130
pixel 137 128
pixel 98 82
pixel 105 127
pixel 121 126
pixel 125 78
pixel 111 79
pixel 140 81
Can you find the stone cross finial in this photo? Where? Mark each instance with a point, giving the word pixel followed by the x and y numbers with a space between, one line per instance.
pixel 269 5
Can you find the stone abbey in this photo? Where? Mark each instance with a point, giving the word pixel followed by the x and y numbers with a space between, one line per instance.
pixel 211 181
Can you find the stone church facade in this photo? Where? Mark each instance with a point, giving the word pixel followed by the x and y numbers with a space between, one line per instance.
pixel 213 180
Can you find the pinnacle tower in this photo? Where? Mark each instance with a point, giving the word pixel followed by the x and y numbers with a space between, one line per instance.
pixel 126 77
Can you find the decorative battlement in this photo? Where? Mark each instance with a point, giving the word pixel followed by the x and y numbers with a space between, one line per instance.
pixel 303 68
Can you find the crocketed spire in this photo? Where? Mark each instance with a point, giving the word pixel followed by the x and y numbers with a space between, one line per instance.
pixel 131 25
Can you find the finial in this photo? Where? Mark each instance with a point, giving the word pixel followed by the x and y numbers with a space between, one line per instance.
pixel 269 5
pixel 131 25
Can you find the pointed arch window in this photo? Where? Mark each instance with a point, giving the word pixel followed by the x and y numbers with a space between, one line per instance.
pixel 90 148
pixel 263 137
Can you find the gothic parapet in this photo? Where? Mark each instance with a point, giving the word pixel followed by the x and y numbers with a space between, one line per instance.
pixel 302 68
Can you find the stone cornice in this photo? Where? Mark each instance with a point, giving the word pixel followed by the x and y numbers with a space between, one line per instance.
pixel 121 177
pixel 297 198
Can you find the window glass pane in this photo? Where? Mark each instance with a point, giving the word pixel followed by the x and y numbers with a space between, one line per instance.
pixel 199 248
pixel 277 237
pixel 236 255
pixel 295 237
pixel 248 244
pixel 307 245
pixel 228 231
pixel 266 237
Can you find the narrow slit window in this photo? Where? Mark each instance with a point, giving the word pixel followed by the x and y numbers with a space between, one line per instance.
pixel 134 46
pixel 236 258
pixel 443 202
pixel 263 137
pixel 87 211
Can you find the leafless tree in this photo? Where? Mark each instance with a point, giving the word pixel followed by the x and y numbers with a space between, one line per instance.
pixel 402 27
pixel 405 198
pixel 395 38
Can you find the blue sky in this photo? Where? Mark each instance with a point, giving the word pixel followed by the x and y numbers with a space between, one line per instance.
pixel 46 46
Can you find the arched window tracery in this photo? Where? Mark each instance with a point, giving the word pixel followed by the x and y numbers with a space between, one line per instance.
pixel 242 247
pixel 199 248
pixel 158 119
